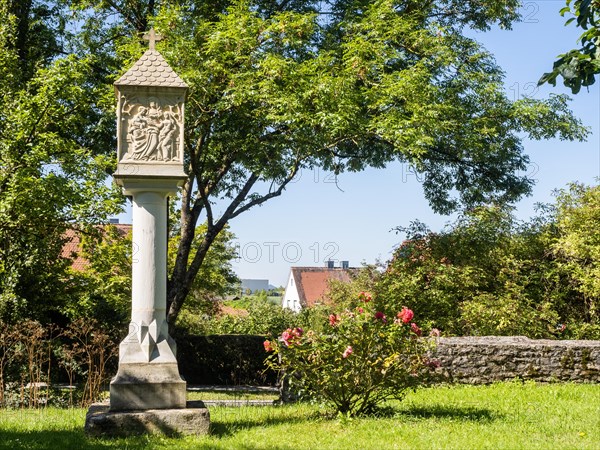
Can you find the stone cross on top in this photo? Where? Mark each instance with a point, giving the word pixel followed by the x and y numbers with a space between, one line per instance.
pixel 152 36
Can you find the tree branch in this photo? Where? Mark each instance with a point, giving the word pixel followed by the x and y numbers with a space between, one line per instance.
pixel 270 195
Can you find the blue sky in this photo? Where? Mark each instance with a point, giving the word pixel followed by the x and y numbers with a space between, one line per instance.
pixel 314 219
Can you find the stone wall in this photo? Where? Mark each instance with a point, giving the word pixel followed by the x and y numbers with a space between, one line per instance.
pixel 482 360
pixel 236 360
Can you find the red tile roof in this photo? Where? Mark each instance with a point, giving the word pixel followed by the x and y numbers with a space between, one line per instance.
pixel 225 310
pixel 72 247
pixel 313 282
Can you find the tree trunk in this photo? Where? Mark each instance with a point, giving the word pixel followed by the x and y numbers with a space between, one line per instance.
pixel 178 287
pixel 22 10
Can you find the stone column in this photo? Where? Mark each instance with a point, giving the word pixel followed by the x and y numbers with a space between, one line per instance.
pixel 149 256
pixel 148 377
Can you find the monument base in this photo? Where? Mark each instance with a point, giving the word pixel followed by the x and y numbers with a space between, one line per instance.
pixel 147 386
pixel 192 420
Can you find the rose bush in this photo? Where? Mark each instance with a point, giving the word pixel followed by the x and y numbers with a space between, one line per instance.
pixel 359 361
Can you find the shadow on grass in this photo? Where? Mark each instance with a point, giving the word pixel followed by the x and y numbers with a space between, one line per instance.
pixel 225 428
pixel 57 439
pixel 456 413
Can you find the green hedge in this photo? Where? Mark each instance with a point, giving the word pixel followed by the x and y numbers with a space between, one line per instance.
pixel 229 360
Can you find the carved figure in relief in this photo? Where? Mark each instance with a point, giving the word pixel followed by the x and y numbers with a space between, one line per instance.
pixel 150 149
pixel 138 134
pixel 166 137
pixel 154 111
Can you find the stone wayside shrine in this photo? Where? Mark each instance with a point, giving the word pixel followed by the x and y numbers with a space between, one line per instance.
pixel 148 395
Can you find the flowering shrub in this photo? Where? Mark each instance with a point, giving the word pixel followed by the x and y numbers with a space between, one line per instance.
pixel 359 361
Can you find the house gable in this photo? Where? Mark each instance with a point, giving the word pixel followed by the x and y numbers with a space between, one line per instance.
pixel 291 297
pixel 309 285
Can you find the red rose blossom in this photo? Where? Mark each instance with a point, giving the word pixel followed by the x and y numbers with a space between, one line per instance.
pixel 406 314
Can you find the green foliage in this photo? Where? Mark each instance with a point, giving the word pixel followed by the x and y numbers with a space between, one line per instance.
pixel 578 245
pixel 579 67
pixel 346 294
pixel 510 312
pixel 361 360
pixel 427 281
pixel 488 274
pixel 102 288
pixel 366 87
pixel 261 318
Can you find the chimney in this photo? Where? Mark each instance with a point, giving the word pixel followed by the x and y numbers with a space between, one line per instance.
pixel 330 264
pixel 113 221
pixel 345 264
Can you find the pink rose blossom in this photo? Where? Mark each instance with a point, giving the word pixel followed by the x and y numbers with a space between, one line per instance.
pixel 406 315
pixel 268 347
pixel 289 336
pixel 360 310
pixel 347 352
pixel 286 336
pixel 415 329
pixel 333 319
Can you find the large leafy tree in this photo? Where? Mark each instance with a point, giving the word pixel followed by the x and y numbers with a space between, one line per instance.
pixel 51 174
pixel 579 67
pixel 278 86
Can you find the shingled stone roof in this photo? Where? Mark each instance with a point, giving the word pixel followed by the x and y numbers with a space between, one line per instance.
pixel 151 70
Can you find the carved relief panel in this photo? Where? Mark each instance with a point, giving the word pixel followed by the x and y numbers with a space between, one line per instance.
pixel 151 129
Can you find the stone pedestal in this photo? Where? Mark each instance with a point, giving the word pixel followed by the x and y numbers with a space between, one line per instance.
pixel 192 420
pixel 147 386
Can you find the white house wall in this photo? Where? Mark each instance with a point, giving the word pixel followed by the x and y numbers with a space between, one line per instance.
pixel 291 299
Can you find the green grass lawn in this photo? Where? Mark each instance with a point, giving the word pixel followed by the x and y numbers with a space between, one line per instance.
pixel 502 416
pixel 231 395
